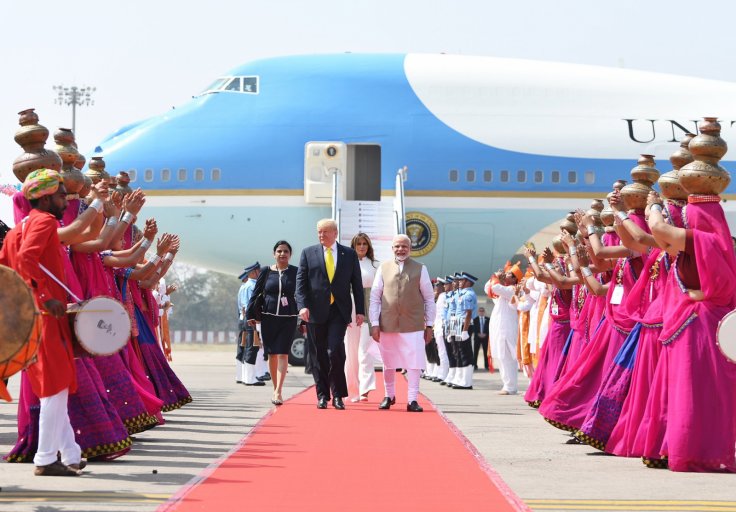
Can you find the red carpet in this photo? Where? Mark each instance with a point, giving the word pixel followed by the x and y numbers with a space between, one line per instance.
pixel 301 458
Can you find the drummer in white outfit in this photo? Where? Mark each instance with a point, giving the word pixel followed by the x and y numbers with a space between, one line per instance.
pixel 504 328
pixel 402 313
pixel 360 349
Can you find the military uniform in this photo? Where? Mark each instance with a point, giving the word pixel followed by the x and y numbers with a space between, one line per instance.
pixel 467 302
pixel 247 354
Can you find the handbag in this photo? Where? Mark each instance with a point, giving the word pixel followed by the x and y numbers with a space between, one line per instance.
pixel 256 307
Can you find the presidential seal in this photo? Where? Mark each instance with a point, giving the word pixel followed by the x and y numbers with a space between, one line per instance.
pixel 422 232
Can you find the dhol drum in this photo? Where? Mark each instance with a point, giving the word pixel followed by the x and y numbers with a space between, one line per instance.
pixel 20 325
pixel 101 325
pixel 726 336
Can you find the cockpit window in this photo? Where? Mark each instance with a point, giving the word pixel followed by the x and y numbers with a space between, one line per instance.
pixel 234 85
pixel 239 84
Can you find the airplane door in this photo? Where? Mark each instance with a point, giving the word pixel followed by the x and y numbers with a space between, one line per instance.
pixel 321 161
pixel 363 174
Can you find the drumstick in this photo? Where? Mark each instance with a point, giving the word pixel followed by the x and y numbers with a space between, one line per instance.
pixel 82 311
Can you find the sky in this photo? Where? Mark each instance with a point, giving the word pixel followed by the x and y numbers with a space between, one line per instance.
pixel 144 57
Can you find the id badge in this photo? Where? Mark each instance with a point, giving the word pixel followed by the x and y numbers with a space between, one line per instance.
pixel 617 295
pixel 555 309
pixel 284 301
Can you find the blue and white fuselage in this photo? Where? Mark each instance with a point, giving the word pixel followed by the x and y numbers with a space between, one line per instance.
pixel 497 149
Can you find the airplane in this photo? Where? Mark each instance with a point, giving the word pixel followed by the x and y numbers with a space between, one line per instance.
pixel 497 150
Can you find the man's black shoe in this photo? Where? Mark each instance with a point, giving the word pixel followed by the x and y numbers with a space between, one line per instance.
pixel 337 403
pixel 387 403
pixel 414 406
pixel 256 383
pixel 265 377
pixel 322 403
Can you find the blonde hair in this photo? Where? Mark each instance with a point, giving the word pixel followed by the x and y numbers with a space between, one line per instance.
pixel 327 224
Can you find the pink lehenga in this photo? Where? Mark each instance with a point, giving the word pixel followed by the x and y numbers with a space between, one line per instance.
pixel 614 389
pixel 552 350
pixel 694 387
pixel 570 400
pixel 626 439
pixel 167 385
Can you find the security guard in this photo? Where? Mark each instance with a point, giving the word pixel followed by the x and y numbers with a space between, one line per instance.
pixel 247 353
pixel 467 310
pixel 450 294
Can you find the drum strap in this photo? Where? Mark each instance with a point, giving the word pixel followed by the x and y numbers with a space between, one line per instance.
pixel 48 272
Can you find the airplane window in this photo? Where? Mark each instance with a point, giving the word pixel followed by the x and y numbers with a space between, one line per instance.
pixel 538 176
pixel 487 175
pixel 453 175
pixel 589 177
pixel 148 176
pixel 182 175
pixel 250 84
pixel 470 175
pixel 572 176
pixel 504 176
pixel 555 178
pixel 133 175
pixel 234 85
pixel 216 85
pixel 521 176
pixel 215 175
pixel 165 174
pixel 198 174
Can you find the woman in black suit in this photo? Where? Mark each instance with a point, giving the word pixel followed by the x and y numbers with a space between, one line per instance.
pixel 278 314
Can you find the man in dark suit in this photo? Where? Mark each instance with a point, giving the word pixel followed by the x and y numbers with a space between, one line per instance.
pixel 328 274
pixel 480 337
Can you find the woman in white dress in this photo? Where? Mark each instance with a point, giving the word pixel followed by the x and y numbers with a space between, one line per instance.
pixel 360 348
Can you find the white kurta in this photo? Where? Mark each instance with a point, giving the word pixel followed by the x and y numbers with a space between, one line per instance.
pixel 403 349
pixel 504 324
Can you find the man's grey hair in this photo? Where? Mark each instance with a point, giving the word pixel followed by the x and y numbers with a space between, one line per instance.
pixel 403 238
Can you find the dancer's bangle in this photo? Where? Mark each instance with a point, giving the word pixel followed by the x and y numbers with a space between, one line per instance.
pixel 656 206
pixel 531 260
pixel 591 230
pixel 548 266
pixel 573 251
pixel 155 260
pixel 97 204
pixel 622 216
pixel 112 222
pixel 169 257
pixel 128 218
pixel 146 243
pixel 586 271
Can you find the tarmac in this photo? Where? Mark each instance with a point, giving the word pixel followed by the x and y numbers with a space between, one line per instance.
pixel 530 455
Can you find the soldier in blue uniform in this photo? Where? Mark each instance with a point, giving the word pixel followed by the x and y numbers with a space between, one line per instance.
pixel 466 310
pixel 247 353
pixel 450 294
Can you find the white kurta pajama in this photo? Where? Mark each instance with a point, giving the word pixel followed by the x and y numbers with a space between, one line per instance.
pixel 403 349
pixel 504 330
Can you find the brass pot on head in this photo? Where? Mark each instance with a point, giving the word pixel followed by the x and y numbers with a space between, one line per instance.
pixel 619 184
pixel 569 224
pixel 669 182
pixel 123 183
pixel 67 150
pixel 32 137
pixel 86 187
pixel 607 217
pixel 559 245
pixel 644 175
pixel 597 205
pixel 704 175
pixel 96 170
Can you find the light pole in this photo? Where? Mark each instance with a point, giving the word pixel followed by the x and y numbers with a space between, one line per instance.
pixel 74 96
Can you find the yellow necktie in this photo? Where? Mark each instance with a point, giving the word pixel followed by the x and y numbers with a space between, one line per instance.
pixel 330 264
